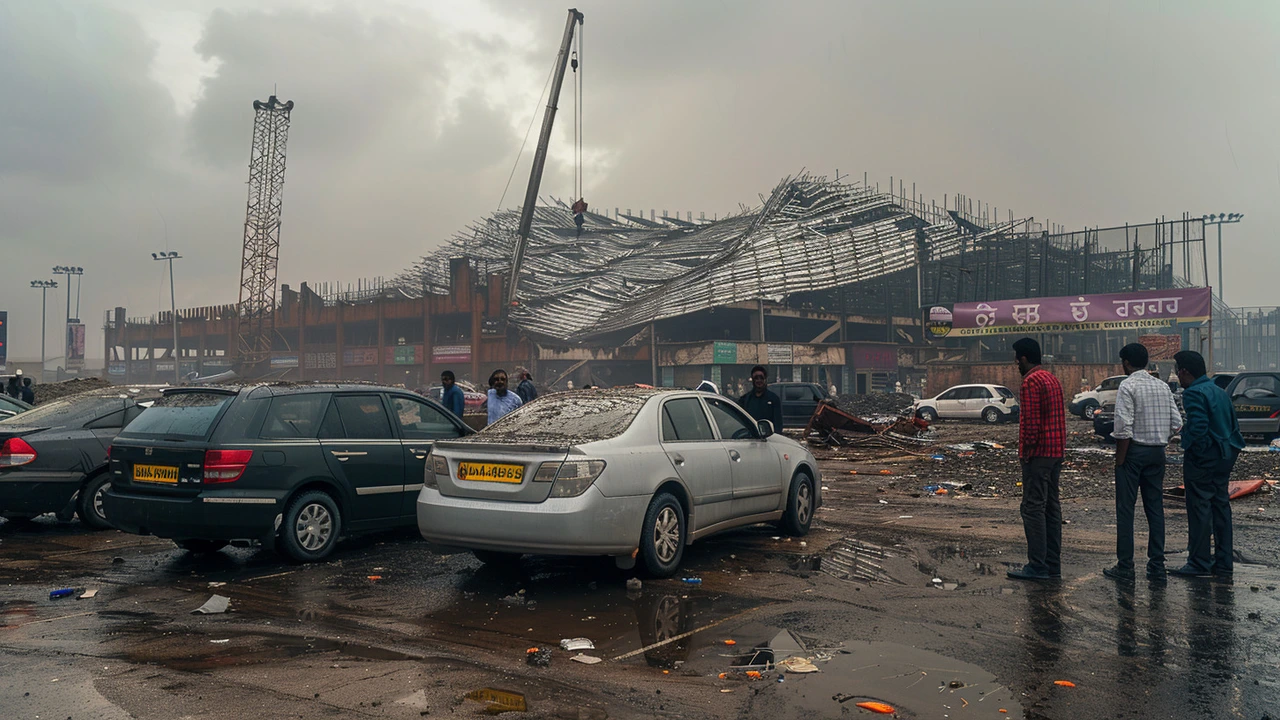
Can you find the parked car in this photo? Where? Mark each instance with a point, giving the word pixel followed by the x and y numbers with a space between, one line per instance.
pixel 992 403
pixel 799 401
pixel 1223 379
pixel 616 473
pixel 1104 422
pixel 10 407
pixel 473 401
pixel 1256 396
pixel 53 458
pixel 295 467
pixel 1086 403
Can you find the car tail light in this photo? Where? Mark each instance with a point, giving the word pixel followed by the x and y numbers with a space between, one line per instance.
pixel 224 466
pixel 1275 415
pixel 15 452
pixel 572 478
pixel 436 465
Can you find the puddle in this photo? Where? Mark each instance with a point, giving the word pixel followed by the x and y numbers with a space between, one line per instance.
pixel 197 652
pixel 917 683
pixel 497 701
pixel 851 559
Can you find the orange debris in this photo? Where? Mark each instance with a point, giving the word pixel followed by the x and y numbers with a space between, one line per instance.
pixel 1064 683
pixel 878 707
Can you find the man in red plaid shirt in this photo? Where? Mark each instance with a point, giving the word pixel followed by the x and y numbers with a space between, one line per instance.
pixel 1042 433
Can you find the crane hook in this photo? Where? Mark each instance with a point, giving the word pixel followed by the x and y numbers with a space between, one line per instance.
pixel 573 61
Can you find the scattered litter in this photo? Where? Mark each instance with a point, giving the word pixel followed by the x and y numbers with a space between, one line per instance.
pixel 825 488
pixel 374 578
pixel 905 517
pixel 936 581
pixel 216 584
pixel 723 675
pixel 213 606
pixel 576 644
pixel 1064 683
pixel 64 592
pixel 886 472
pixel 538 657
pixel 799 664
pixel 884 502
pixel 878 707
pixel 853 472
pixel 730 642
pixel 117 561
pixel 753 674
pixel 634 585
pixel 89 594
pixel 726 690
pixel 950 586
pixel 221 642
pixel 586 659
pixel 691 580
pixel 940 491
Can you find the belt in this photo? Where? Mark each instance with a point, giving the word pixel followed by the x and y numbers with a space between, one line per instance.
pixel 1150 445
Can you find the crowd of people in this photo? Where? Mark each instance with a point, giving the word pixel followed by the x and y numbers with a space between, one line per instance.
pixel 19 388
pixel 1146 419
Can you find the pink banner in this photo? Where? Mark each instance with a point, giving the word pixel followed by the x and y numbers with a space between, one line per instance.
pixel 1075 313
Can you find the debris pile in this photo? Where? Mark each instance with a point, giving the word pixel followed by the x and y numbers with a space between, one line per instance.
pixel 830 425
pixel 48 392
pixel 876 404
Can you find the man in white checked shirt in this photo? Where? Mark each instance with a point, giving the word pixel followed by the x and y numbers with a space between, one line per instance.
pixel 1146 418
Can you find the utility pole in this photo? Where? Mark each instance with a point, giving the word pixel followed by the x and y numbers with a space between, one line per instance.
pixel 540 156
pixel 169 257
pixel 43 286
pixel 1221 219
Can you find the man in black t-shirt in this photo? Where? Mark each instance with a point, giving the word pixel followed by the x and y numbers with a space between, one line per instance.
pixel 760 403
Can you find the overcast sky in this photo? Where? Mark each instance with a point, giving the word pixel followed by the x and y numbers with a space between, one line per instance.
pixel 125 124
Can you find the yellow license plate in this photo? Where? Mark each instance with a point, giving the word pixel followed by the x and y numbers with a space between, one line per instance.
pixel 490 472
pixel 167 474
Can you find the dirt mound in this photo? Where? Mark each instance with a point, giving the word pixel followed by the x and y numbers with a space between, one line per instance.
pixel 46 392
pixel 875 404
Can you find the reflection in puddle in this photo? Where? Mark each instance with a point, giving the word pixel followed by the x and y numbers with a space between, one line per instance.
pixel 917 683
pixel 857 560
pixel 498 701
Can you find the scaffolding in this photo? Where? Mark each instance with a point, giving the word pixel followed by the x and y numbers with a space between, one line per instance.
pixel 1246 338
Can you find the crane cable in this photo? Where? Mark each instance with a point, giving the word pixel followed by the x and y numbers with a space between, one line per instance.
pixel 578 189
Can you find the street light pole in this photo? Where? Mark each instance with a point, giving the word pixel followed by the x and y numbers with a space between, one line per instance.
pixel 43 286
pixel 169 257
pixel 1221 219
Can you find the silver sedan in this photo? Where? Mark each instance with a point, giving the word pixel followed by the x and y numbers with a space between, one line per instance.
pixel 624 473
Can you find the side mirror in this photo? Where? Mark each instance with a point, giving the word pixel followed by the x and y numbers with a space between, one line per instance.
pixel 765 427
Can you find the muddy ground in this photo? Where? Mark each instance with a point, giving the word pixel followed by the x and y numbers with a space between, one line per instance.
pixel 442 636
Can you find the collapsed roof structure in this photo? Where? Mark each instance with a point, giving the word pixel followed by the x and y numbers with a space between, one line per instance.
pixel 809 235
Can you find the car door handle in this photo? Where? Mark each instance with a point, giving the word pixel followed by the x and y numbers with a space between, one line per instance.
pixel 420 453
pixel 677 458
pixel 344 455
pixel 733 455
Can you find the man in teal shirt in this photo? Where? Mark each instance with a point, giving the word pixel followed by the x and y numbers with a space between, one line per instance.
pixel 1211 441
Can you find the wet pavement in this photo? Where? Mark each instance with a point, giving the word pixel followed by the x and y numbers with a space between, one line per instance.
pixel 897 596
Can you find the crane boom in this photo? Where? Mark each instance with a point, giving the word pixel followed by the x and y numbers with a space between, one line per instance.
pixel 540 155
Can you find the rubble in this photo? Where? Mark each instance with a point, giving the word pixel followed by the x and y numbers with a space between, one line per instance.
pixel 48 392
pixel 876 404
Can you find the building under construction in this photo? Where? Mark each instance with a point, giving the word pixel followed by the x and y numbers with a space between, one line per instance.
pixel 823 281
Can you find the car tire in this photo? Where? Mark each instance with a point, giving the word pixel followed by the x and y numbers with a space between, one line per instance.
pixel 89 503
pixel 928 414
pixel 662 538
pixel 494 558
pixel 311 527
pixel 1088 410
pixel 991 416
pixel 800 505
pixel 201 547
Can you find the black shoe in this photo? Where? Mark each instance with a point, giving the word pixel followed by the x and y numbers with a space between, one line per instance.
pixel 1158 574
pixel 1118 573
pixel 1188 571
pixel 1026 573
pixel 1227 576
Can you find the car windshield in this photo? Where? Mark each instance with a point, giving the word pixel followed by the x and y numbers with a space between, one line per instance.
pixel 187 415
pixel 567 418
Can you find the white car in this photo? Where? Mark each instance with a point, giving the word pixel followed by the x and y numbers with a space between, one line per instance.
pixel 1086 403
pixel 992 403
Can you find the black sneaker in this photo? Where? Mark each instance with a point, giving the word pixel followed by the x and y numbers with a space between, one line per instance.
pixel 1026 573
pixel 1118 573
pixel 1158 574
pixel 1188 571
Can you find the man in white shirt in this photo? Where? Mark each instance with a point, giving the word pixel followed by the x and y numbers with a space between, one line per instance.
pixel 501 400
pixel 1146 418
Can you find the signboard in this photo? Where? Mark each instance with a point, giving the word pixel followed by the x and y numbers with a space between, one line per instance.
pixel 716 375
pixel 116 368
pixel 402 355
pixel 359 356
pixel 873 357
pixel 940 320
pixel 75 346
pixel 1076 313
pixel 4 338
pixel 1161 347
pixel 216 362
pixel 164 366
pixel 724 353
pixel 321 360
pixel 780 354
pixel 284 361
pixel 451 354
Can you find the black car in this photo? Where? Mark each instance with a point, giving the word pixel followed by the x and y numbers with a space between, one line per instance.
pixel 54 458
pixel 1256 396
pixel 292 466
pixel 799 401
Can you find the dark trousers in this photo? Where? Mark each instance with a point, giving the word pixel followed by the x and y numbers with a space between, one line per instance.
pixel 1143 470
pixel 1208 512
pixel 1042 514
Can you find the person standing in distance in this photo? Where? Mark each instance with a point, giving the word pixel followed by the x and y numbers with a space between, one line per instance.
pixel 452 398
pixel 501 400
pixel 1146 418
pixel 525 389
pixel 760 402
pixel 1042 435
pixel 1211 442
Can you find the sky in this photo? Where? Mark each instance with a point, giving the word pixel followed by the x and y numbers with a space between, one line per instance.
pixel 126 124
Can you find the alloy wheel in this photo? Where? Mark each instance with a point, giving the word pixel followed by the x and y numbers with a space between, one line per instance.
pixel 804 503
pixel 314 527
pixel 666 534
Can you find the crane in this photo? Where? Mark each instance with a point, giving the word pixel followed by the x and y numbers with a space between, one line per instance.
pixel 540 155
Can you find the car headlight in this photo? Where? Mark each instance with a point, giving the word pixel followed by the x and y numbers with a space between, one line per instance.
pixel 571 478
